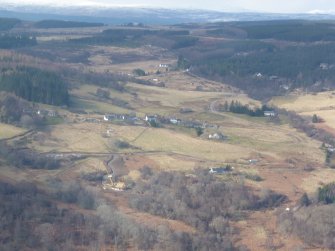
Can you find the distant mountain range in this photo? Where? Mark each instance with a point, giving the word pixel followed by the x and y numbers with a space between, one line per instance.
pixel 122 15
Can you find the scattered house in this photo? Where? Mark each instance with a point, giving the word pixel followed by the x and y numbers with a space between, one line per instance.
pixel 110 117
pixel 324 66
pixel 258 75
pixel 221 170
pixel 269 113
pixel 285 87
pixel 155 79
pixel 151 118
pixel 46 113
pixel 329 148
pixel 175 121
pixel 328 145
pixel 29 111
pixel 52 113
pixel 164 65
pixel 217 136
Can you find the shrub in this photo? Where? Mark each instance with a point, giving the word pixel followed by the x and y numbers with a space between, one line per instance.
pixel 199 131
pixel 326 194
pixel 304 200
pixel 122 144
pixel 139 72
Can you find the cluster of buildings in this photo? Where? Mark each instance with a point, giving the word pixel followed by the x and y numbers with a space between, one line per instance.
pixel 153 118
pixel 40 112
pixel 329 148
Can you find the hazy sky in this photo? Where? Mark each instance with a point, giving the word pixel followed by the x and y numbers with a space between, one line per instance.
pixel 229 5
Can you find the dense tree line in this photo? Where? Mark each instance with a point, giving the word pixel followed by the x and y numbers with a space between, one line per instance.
pixel 8 23
pixel 35 85
pixel 115 36
pixel 239 108
pixel 266 68
pixel 184 41
pixel 302 31
pixel 12 108
pixel 8 41
pixel 135 37
pixel 293 66
pixel 326 194
pixel 45 24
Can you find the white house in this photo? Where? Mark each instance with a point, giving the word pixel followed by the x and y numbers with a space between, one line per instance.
pixel 109 117
pixel 216 136
pixel 175 121
pixel 269 113
pixel 149 118
pixel 164 65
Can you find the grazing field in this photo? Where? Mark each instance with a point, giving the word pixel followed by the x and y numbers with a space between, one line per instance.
pixel 164 140
pixel 8 131
pixel 306 102
pixel 94 106
pixel 174 163
pixel 80 137
pixel 322 104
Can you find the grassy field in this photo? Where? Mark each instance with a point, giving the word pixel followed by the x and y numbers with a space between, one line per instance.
pixel 164 140
pixel 321 104
pixel 80 137
pixel 306 102
pixel 8 131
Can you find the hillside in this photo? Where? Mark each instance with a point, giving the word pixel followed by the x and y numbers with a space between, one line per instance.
pixel 168 137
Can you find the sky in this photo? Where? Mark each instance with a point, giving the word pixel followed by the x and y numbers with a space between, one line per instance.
pixel 274 6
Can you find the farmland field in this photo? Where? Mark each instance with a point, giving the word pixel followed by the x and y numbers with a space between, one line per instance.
pixel 8 131
pixel 321 104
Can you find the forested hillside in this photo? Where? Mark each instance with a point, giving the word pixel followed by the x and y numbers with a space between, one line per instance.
pixel 267 58
pixel 15 41
pixel 8 23
pixel 45 24
pixel 35 85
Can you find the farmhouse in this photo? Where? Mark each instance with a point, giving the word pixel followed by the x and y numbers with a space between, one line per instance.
pixel 221 170
pixel 329 148
pixel 258 75
pixel 175 121
pixel 269 113
pixel 216 136
pixel 150 118
pixel 45 113
pixel 110 117
pixel 164 65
